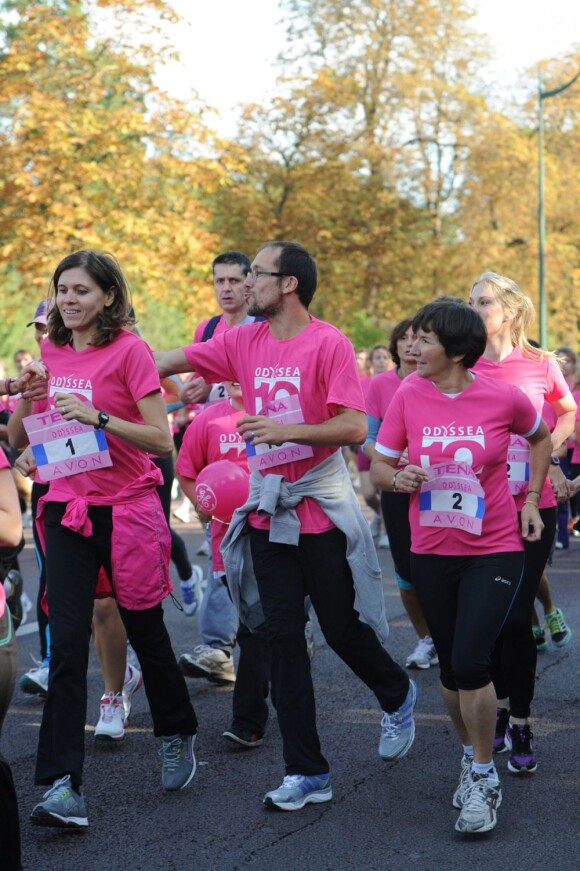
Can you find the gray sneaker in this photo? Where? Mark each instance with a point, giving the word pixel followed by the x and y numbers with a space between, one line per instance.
pixel 62 807
pixel 398 728
pixel 179 763
pixel 297 790
pixel 213 663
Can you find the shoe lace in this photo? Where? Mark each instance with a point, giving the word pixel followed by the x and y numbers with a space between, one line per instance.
pixel 556 623
pixel 391 724
pixel 59 789
pixel 172 752
pixel 424 647
pixel 202 649
pixel 109 704
pixel 476 794
pixel 521 738
pixel 291 780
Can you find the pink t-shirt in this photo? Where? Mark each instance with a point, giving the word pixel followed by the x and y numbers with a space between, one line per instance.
pixel 316 369
pixel 4 462
pixel 541 381
pixel 213 436
pixel 113 377
pixel 383 388
pixel 576 444
pixel 469 434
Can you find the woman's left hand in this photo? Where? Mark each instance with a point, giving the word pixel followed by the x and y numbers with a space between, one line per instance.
pixel 73 408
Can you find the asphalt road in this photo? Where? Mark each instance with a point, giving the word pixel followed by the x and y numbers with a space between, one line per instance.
pixel 383 816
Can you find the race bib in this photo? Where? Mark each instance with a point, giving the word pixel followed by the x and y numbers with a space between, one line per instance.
pixel 65 447
pixel 452 498
pixel 285 410
pixel 518 465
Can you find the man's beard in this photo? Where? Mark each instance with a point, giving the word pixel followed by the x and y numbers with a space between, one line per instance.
pixel 267 311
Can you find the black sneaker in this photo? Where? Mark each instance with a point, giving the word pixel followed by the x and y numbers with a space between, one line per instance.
pixel 522 758
pixel 501 724
pixel 243 737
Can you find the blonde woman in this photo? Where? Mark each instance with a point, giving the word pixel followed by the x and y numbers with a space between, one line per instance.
pixel 508 314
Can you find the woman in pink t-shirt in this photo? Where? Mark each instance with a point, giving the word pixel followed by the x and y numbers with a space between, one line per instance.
pixel 466 547
pixel 102 510
pixel 509 357
pixel 395 506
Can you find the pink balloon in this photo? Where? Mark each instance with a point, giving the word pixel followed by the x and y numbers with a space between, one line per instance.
pixel 221 488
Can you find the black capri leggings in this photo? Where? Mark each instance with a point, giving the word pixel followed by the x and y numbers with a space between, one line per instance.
pixel 515 654
pixel 466 601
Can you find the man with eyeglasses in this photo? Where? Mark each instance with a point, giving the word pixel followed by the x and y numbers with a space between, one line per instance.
pixel 307 534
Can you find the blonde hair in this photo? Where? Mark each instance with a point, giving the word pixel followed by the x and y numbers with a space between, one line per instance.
pixel 520 306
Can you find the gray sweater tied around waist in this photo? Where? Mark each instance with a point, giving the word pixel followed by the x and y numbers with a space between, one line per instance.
pixel 271 495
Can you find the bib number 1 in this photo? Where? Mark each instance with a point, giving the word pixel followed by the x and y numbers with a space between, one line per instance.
pixel 65 447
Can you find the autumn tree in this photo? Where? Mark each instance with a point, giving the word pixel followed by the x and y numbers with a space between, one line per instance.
pixel 92 154
pixel 499 209
pixel 361 153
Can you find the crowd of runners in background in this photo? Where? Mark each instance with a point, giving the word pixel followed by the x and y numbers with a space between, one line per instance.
pixel 457 435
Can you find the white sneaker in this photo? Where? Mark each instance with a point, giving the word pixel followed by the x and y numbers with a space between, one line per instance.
pixel 35 681
pixel 375 525
pixel 384 541
pixel 212 663
pixel 133 683
pixel 111 725
pixel 464 781
pixel 182 513
pixel 191 591
pixel 424 654
pixel 481 800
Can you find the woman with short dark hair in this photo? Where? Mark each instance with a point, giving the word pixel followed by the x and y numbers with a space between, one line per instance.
pixel 466 548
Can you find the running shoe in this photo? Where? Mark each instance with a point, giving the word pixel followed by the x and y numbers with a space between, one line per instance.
pixel 522 758
pixel 133 683
pixel 191 591
pixel 501 723
pixel 213 663
pixel 559 630
pixel 182 513
pixel 179 764
pixel 243 737
pixel 384 542
pixel 540 639
pixel 464 781
pixel 398 728
pixel 62 807
pixel 424 654
pixel 111 725
pixel 35 681
pixel 481 799
pixel 375 525
pixel 296 790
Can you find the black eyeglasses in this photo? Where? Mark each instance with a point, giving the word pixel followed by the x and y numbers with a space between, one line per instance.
pixel 257 273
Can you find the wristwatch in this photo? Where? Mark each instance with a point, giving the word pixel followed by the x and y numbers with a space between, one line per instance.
pixel 554 461
pixel 103 420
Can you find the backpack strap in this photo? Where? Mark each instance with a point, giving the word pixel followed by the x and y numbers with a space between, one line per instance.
pixel 210 327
